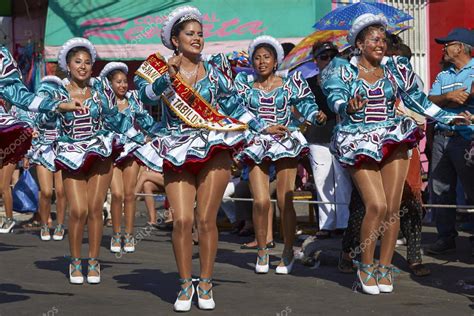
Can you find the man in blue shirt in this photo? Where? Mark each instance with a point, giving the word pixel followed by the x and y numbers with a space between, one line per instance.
pixel 453 90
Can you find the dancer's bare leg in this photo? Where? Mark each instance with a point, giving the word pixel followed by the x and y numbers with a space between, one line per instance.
pixel 211 183
pixel 6 173
pixel 116 188
pixel 129 179
pixel 98 183
pixel 181 192
pixel 45 179
pixel 285 176
pixel 75 187
pixel 394 172
pixel 60 197
pixel 259 184
pixel 269 237
pixel 368 181
pixel 270 223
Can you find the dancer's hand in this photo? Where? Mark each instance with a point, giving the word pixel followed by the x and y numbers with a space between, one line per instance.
pixel 321 117
pixel 464 118
pixel 72 107
pixel 173 65
pixel 35 134
pixel 355 104
pixel 279 130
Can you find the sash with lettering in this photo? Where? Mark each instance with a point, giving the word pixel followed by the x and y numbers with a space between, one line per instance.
pixel 186 102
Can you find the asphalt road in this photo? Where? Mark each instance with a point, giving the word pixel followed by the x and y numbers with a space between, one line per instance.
pixel 33 281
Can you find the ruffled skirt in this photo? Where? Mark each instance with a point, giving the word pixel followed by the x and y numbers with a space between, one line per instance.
pixel 127 147
pixel 270 147
pixel 79 156
pixel 188 151
pixel 44 155
pixel 373 143
pixel 15 139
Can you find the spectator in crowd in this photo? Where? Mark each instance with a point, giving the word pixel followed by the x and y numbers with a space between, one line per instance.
pixel 332 181
pixel 452 90
pixel 149 182
pixel 287 47
pixel 228 206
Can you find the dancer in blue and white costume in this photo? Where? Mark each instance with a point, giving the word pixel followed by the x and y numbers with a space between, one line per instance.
pixel 42 154
pixel 372 140
pixel 16 134
pixel 13 90
pixel 126 168
pixel 16 129
pixel 273 98
pixel 85 149
pixel 200 106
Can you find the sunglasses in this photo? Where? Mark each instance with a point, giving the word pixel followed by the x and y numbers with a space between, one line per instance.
pixel 446 45
pixel 326 56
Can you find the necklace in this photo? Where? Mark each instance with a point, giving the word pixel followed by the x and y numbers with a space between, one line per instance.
pixel 122 102
pixel 82 91
pixel 189 74
pixel 366 69
pixel 268 86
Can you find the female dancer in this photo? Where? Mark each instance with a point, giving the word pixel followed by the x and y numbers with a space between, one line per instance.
pixel 42 155
pixel 271 98
pixel 372 141
pixel 12 124
pixel 196 143
pixel 84 149
pixel 125 171
pixel 15 123
pixel 15 134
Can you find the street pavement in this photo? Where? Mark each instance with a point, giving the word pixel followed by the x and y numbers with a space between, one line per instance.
pixel 33 281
